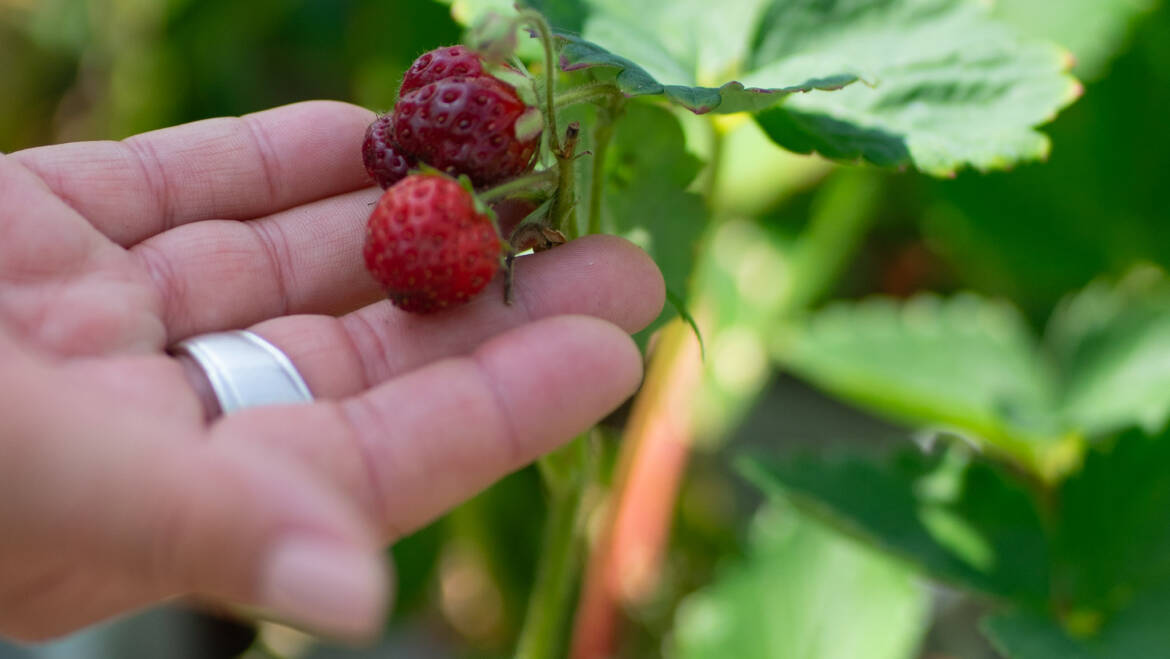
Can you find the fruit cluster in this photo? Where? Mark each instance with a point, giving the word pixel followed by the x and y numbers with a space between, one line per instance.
pixel 456 117
pixel 429 242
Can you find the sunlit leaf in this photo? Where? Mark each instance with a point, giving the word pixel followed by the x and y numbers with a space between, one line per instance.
pixel 1114 344
pixel 788 599
pixel 1096 207
pixel 965 364
pixel 696 54
pixel 951 87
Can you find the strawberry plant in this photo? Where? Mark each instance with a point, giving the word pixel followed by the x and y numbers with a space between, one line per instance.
pixel 646 112
pixel 909 396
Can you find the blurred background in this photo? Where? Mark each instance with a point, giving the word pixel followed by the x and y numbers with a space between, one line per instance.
pixel 107 69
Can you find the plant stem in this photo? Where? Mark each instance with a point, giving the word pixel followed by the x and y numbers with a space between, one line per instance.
pixel 565 474
pixel 714 166
pixel 602 134
pixel 655 446
pixel 565 203
pixel 526 184
pixel 544 32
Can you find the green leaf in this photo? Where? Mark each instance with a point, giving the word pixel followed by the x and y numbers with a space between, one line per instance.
pixel 730 97
pixel 1096 207
pixel 680 308
pixel 788 600
pixel 1094 30
pixel 647 172
pixel 1114 344
pixel 961 520
pixel 951 86
pixel 1114 535
pixel 1139 631
pixel 965 364
pixel 696 54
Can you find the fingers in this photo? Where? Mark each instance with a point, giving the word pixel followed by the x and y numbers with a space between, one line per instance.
pixel 218 275
pixel 415 446
pixel 145 509
pixel 226 168
pixel 601 276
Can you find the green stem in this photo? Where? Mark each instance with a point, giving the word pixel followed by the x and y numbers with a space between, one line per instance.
pixel 532 183
pixel 536 20
pixel 564 219
pixel 565 473
pixel 714 167
pixel 841 214
pixel 602 134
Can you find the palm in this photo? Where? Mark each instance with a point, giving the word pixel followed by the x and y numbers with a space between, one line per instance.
pixel 67 289
pixel 111 252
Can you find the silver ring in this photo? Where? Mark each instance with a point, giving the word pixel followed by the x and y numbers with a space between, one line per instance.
pixel 245 370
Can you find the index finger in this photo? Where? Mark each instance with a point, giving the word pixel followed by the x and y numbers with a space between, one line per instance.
pixel 233 168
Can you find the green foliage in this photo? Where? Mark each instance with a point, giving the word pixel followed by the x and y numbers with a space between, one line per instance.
pixel 1113 343
pixel 633 80
pixel 975 370
pixel 978 371
pixel 959 519
pixel 1081 569
pixel 950 86
pixel 787 600
pixel 647 172
pixel 947 86
pixel 1095 208
pixel 752 275
pixel 1140 631
pixel 1114 537
pixel 684 51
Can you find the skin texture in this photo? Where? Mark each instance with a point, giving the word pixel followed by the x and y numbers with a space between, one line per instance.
pixel 116 492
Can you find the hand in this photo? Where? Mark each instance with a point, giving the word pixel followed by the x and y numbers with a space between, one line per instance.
pixel 117 491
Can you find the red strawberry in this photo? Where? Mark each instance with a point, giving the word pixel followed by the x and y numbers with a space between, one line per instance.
pixel 449 62
pixel 385 164
pixel 467 126
pixel 429 246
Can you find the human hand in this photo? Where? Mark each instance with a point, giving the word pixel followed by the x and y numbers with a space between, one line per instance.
pixel 118 486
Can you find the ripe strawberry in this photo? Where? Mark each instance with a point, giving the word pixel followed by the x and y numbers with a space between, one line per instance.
pixel 385 164
pixel 429 246
pixel 468 126
pixel 449 62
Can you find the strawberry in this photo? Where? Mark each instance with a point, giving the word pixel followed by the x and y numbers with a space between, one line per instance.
pixel 449 62
pixel 385 164
pixel 429 245
pixel 475 126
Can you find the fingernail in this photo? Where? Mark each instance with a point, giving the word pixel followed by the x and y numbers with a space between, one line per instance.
pixel 332 589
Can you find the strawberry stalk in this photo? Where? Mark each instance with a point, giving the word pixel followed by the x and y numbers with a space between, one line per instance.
pixel 543 32
pixel 565 203
pixel 602 135
pixel 567 472
pixel 537 185
pixel 562 215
